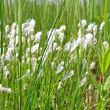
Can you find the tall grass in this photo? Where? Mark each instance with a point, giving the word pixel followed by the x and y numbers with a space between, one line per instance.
pixel 2 31
pixel 105 20
pixel 20 53
pixel 32 88
pixel 2 36
pixel 40 91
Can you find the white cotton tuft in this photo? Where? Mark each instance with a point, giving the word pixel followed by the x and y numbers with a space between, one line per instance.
pixel 59 85
pixel 38 37
pixel 92 65
pixel 62 28
pixel 82 82
pixel 90 27
pixel 67 46
pixel 7 28
pixel 88 40
pixel 35 48
pixel 68 74
pixel 60 68
pixel 95 30
pixel 83 23
pixel 61 37
pixel 94 41
pixel 25 75
pixel 105 44
pixel 3 89
pixel 102 26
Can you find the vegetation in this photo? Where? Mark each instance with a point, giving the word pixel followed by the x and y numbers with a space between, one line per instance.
pixel 54 55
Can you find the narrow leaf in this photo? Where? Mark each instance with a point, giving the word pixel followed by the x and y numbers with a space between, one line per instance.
pixel 105 20
pixel 105 61
pixel 95 83
pixel 100 58
pixel 107 84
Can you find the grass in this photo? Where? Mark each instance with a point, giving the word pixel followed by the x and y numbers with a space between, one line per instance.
pixel 42 87
pixel 39 66
pixel 20 53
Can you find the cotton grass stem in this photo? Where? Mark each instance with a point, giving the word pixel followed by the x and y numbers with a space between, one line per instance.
pixel 57 6
pixel 2 32
pixel 20 53
pixel 2 36
pixel 105 20
pixel 2 25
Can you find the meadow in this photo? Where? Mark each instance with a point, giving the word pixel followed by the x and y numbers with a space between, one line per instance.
pixel 54 55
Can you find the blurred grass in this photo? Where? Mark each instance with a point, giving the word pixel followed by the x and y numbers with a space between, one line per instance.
pixel 44 13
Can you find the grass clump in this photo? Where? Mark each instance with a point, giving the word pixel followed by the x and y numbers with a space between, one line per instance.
pixel 54 55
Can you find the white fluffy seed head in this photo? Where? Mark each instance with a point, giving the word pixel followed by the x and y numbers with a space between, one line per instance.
pixel 7 28
pixel 9 90
pixel 25 86
pixel 53 64
pixel 68 74
pixel 83 81
pixel 94 41
pixel 59 85
pixel 14 25
pixel 92 65
pixel 60 68
pixel 32 22
pixel 28 60
pixel 102 26
pixel 3 89
pixel 0 86
pixel 67 46
pixel 38 37
pixel 28 72
pixel 54 45
pixel 61 37
pixel 86 73
pixel 35 48
pixel 62 28
pixel 62 63
pixel 90 27
pixel 105 44
pixel 58 49
pixel 3 57
pixel 95 30
pixel 83 23
pixel 7 74
pixel 88 40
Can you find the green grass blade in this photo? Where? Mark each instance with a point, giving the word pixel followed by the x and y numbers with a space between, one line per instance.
pixel 20 53
pixel 105 61
pixel 107 84
pixel 105 20
pixel 95 82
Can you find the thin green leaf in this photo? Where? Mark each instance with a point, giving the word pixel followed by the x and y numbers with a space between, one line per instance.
pixel 20 52
pixel 100 105
pixel 104 106
pixel 105 61
pixel 107 84
pixel 105 20
pixel 100 58
pixel 95 83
